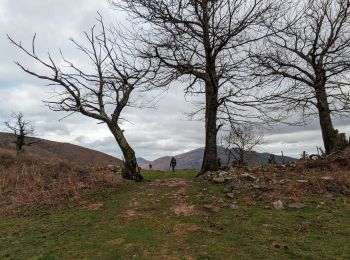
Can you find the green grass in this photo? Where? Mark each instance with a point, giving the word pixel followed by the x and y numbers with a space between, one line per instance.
pixel 156 232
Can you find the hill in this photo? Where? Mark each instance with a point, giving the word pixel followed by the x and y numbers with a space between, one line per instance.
pixel 55 150
pixel 193 159
pixel 142 161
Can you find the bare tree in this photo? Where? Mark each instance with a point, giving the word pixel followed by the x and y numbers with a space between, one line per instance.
pixel 240 141
pixel 101 92
pixel 21 129
pixel 305 63
pixel 199 42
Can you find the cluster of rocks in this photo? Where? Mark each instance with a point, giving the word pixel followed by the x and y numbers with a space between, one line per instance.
pixel 234 177
pixel 238 180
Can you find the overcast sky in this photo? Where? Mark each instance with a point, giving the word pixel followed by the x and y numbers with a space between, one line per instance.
pixel 152 132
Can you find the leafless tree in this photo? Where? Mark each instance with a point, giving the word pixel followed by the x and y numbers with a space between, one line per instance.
pixel 20 128
pixel 305 63
pixel 101 92
pixel 240 141
pixel 199 42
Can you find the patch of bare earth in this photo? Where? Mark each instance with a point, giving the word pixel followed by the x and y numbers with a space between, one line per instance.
pixel 182 229
pixel 130 213
pixel 172 182
pixel 94 206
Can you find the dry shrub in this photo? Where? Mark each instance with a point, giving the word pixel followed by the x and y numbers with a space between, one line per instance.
pixel 338 183
pixel 27 182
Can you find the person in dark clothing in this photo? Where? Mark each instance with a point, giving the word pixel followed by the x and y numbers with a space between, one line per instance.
pixel 219 163
pixel 173 163
pixel 272 159
pixel 150 166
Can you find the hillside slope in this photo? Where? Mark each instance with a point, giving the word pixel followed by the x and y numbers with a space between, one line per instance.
pixel 51 150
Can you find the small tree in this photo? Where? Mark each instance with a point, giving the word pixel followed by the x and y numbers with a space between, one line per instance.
pixel 102 92
pixel 20 128
pixel 240 141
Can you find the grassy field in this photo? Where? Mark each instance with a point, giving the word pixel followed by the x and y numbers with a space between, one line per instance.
pixel 171 216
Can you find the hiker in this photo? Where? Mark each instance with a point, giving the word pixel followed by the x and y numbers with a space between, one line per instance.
pixel 150 166
pixel 272 159
pixel 173 163
pixel 219 163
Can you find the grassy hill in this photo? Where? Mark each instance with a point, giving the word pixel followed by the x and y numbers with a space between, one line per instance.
pixel 56 150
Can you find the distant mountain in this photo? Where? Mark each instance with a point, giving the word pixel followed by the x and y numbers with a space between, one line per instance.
pixel 142 161
pixel 193 159
pixel 53 150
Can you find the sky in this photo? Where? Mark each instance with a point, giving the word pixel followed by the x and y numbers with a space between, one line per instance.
pixel 164 130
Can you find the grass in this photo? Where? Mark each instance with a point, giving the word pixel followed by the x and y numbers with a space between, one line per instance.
pixel 138 221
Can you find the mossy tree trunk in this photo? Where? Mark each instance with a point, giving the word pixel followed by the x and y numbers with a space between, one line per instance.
pixel 130 169
pixel 210 158
pixel 329 134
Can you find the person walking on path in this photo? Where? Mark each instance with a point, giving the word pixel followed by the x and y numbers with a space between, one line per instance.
pixel 173 163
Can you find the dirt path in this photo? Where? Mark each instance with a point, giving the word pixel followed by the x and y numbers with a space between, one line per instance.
pixel 173 190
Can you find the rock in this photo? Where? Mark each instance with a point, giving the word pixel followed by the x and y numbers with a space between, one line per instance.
pixel 230 195
pixel 258 187
pixel 248 177
pixel 327 178
pixel 235 186
pixel 222 174
pixel 278 205
pixel 302 181
pixel 296 205
pixel 219 179
pixel 113 168
pixel 233 206
pixel 211 208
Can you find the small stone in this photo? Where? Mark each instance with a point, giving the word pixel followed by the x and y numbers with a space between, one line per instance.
pixel 278 205
pixel 230 195
pixel 219 179
pixel 233 206
pixel 302 181
pixel 296 205
pixel 327 178
pixel 248 177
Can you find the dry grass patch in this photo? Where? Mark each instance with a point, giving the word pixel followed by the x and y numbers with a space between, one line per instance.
pixel 28 182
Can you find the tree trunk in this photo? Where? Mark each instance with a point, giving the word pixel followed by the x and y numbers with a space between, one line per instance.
pixel 329 134
pixel 130 171
pixel 210 158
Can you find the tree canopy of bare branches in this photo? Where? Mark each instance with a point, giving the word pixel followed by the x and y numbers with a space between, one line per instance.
pixel 305 62
pixel 20 128
pixel 199 42
pixel 101 91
